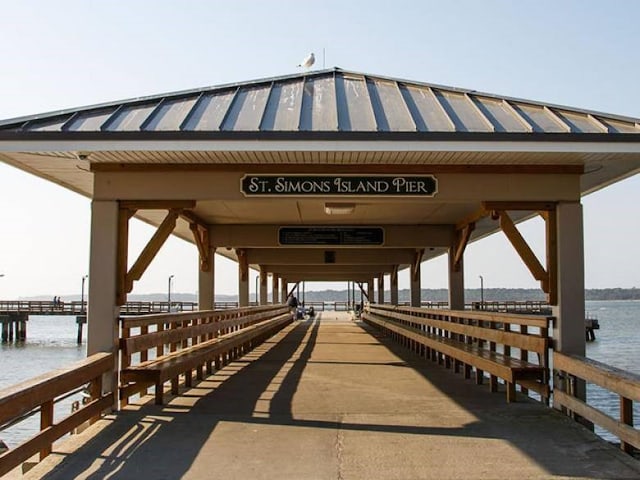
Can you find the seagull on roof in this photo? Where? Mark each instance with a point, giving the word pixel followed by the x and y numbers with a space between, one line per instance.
pixel 308 61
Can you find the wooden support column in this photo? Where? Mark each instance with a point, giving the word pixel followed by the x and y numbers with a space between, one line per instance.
pixel 243 278
pixel 381 288
pixel 416 287
pixel 275 288
pixel 456 279
pixel 104 266
pixel 264 277
pixel 393 281
pixel 370 290
pixel 284 290
pixel 568 330
pixel 416 290
pixel 206 282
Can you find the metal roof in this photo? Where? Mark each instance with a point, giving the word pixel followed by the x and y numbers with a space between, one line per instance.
pixel 325 101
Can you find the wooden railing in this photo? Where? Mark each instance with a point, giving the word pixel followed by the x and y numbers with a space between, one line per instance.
pixel 525 307
pixel 569 368
pixel 169 345
pixel 47 307
pixel 487 341
pixel 40 394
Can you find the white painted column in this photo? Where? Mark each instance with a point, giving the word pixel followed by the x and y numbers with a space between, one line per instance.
pixel 393 280
pixel 416 287
pixel 102 313
pixel 206 284
pixel 456 283
pixel 275 288
pixel 569 331
pixel 263 286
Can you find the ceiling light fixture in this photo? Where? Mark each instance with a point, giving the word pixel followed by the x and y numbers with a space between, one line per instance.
pixel 339 208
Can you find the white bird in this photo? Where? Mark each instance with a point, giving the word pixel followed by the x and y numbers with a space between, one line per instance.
pixel 308 61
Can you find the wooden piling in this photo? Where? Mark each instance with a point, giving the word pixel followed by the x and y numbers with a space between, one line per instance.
pixel 14 327
pixel 80 320
pixel 4 320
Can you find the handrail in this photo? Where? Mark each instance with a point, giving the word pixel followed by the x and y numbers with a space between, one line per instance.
pixel 181 328
pixel 526 341
pixel 621 382
pixel 539 321
pixel 41 392
pixel 162 318
pixel 76 307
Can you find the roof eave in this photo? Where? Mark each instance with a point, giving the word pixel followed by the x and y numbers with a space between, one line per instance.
pixel 303 136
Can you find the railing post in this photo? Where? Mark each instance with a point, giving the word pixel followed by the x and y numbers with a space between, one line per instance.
pixel 95 390
pixel 626 417
pixel 46 420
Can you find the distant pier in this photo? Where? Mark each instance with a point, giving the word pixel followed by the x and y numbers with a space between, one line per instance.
pixel 14 327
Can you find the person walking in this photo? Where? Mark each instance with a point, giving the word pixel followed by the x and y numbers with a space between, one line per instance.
pixel 292 302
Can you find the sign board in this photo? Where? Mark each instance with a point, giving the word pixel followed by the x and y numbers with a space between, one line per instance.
pixel 338 185
pixel 331 236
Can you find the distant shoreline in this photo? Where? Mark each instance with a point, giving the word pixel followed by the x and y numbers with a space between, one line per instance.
pixel 434 295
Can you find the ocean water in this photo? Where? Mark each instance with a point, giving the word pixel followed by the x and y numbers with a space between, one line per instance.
pixel 51 343
pixel 617 344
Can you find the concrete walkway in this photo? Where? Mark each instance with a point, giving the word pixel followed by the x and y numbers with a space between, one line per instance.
pixel 330 399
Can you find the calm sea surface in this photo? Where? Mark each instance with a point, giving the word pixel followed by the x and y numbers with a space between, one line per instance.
pixel 51 343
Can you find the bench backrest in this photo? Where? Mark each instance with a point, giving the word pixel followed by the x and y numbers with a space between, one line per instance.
pixel 182 330
pixel 508 330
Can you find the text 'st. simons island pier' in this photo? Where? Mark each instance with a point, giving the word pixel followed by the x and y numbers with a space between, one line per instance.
pixel 340 185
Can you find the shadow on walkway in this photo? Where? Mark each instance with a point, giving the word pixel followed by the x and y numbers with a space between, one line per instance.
pixel 163 441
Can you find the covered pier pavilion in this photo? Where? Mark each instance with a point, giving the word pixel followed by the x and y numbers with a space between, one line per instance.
pixel 330 175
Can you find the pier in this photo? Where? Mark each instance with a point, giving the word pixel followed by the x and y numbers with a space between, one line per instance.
pixel 328 175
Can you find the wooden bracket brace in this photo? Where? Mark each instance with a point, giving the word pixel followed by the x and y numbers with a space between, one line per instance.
pixel 393 277
pixel 364 292
pixel 201 237
pixel 151 249
pixel 290 292
pixel 124 214
pixel 127 209
pixel 522 248
pixel 463 239
pixel 243 263
pixel 415 266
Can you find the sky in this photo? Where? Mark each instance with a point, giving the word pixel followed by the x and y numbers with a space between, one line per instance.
pixel 64 54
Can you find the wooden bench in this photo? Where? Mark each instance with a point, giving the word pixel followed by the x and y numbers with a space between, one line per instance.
pixel 185 342
pixel 480 340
